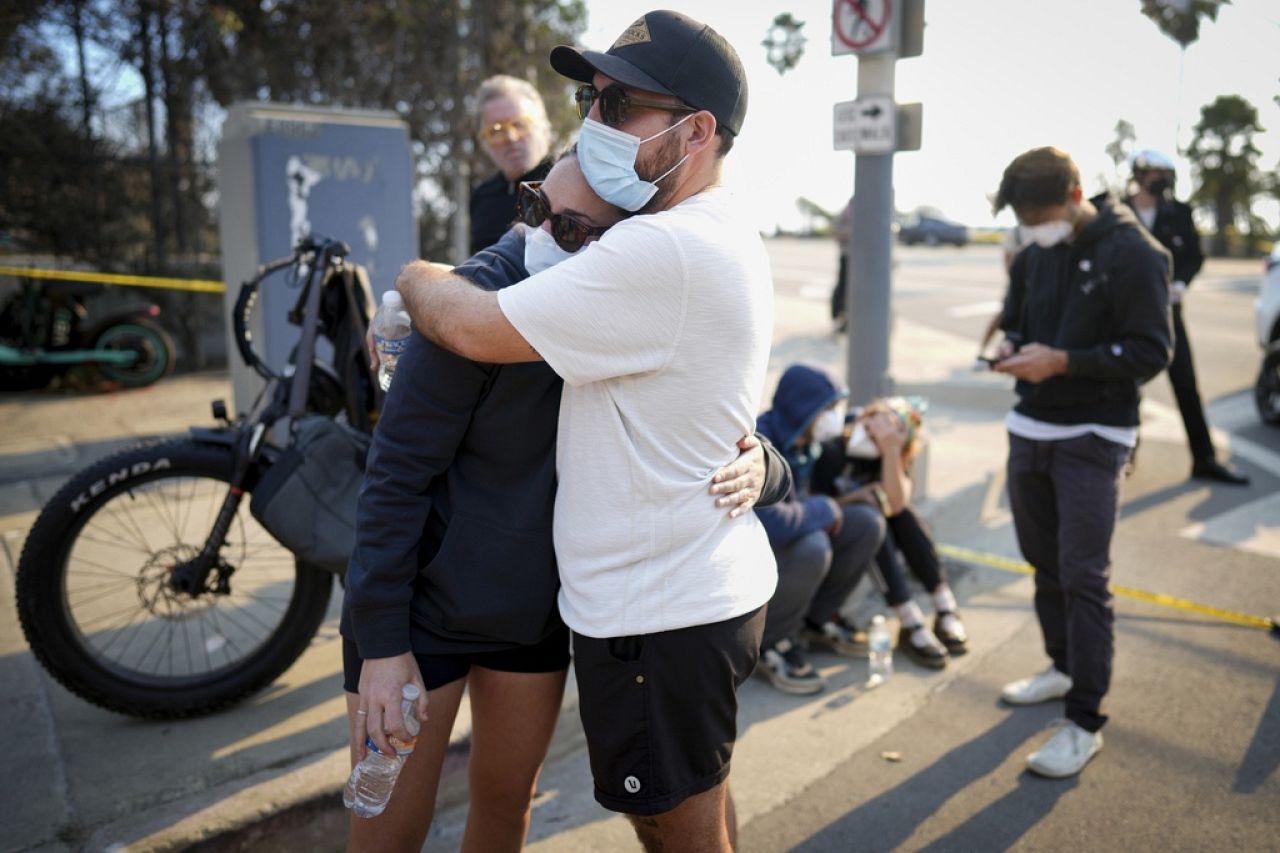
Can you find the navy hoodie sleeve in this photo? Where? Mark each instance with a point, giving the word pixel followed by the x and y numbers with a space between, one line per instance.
pixel 777 474
pixel 426 414
pixel 1140 305
pixel 795 517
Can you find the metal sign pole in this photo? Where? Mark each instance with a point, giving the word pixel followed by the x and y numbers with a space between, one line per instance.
pixel 868 273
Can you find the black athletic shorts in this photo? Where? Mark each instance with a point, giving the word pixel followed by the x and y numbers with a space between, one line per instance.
pixel 661 710
pixel 549 655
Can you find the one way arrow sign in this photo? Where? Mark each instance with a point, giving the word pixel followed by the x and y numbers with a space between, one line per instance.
pixel 867 125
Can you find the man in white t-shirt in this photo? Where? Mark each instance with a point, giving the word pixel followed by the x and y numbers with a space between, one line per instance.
pixel 661 331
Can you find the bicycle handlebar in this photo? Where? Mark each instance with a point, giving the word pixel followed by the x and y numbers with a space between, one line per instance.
pixel 309 248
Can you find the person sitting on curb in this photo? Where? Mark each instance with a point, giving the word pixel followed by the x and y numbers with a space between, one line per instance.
pixel 870 463
pixel 822 548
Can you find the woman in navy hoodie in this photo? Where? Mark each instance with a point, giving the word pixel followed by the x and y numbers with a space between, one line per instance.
pixel 822 547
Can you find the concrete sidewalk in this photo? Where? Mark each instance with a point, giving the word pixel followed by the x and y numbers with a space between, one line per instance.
pixel 95 780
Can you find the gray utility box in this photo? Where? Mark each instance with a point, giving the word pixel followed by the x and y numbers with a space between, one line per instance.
pixel 285 172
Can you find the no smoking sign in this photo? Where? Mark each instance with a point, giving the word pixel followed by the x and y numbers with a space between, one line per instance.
pixel 863 26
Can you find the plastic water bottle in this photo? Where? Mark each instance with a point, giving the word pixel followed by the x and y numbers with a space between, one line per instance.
pixel 880 652
pixel 390 335
pixel 369 787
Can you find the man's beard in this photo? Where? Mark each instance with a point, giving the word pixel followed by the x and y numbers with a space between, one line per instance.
pixel 667 156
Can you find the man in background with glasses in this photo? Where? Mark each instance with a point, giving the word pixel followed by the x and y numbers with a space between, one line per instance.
pixel 661 331
pixel 516 135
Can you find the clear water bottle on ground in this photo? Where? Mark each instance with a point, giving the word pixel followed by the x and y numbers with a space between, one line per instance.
pixel 390 335
pixel 880 652
pixel 369 787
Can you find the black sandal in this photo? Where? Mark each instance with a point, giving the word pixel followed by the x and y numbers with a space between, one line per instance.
pixel 930 657
pixel 957 644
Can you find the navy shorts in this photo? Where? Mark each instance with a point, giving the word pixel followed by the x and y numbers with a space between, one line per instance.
pixel 661 710
pixel 549 655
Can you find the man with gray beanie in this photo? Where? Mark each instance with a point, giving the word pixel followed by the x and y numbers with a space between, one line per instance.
pixel 661 331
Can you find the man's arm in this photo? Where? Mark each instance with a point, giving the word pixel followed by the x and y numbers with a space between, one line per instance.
pixel 1144 345
pixel 464 319
pixel 1189 257
pixel 1011 312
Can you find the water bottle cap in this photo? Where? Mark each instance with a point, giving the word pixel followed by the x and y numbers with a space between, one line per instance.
pixel 410 692
pixel 392 298
pixel 878 619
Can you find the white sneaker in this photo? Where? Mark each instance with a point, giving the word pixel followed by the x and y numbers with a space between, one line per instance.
pixel 1047 685
pixel 1066 753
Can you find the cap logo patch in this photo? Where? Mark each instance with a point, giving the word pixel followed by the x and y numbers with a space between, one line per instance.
pixel 637 33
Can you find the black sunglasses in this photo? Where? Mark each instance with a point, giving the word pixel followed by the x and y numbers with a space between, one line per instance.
pixel 616 104
pixel 534 209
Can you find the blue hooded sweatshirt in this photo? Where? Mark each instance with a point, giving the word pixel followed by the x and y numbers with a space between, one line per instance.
pixel 803 392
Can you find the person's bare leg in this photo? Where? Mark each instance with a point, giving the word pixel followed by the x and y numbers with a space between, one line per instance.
pixel 697 825
pixel 513 715
pixel 730 817
pixel 404 825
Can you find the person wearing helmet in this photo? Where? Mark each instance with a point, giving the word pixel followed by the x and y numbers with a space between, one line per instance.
pixel 1169 221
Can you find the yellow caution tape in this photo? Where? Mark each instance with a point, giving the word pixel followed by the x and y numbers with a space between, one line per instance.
pixel 196 285
pixel 997 562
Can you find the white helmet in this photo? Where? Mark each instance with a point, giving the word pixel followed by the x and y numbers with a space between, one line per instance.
pixel 1150 158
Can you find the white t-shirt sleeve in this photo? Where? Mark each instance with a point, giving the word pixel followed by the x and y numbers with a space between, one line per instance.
pixel 615 309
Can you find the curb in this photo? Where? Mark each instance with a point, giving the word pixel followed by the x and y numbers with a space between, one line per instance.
pixel 302 801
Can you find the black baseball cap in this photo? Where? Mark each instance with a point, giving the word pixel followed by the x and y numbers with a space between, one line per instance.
pixel 673 54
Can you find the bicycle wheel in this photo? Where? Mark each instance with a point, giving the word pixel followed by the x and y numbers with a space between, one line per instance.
pixel 97 608
pixel 153 346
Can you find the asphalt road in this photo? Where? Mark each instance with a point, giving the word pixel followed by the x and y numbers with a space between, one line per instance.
pixel 1194 743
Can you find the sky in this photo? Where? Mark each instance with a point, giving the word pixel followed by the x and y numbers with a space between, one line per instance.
pixel 996 78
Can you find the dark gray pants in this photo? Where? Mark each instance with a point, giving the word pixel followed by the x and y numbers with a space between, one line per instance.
pixel 1064 496
pixel 817 572
pixel 1182 376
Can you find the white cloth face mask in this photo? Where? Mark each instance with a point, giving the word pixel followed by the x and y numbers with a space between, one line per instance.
pixel 828 425
pixel 541 251
pixel 607 157
pixel 1048 234
pixel 861 445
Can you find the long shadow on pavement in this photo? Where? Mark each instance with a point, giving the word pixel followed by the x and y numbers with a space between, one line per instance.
pixel 1263 756
pixel 1001 824
pixel 888 820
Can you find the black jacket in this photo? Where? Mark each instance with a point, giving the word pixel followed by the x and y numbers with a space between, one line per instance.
pixel 493 206
pixel 453 539
pixel 453 548
pixel 1176 231
pixel 1104 298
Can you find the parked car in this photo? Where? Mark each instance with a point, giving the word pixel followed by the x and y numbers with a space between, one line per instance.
pixel 1266 392
pixel 932 231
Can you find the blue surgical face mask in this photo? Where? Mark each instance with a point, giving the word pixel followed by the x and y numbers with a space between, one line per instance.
pixel 541 251
pixel 608 160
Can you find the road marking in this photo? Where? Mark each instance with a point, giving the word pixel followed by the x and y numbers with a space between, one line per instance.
pixel 995 561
